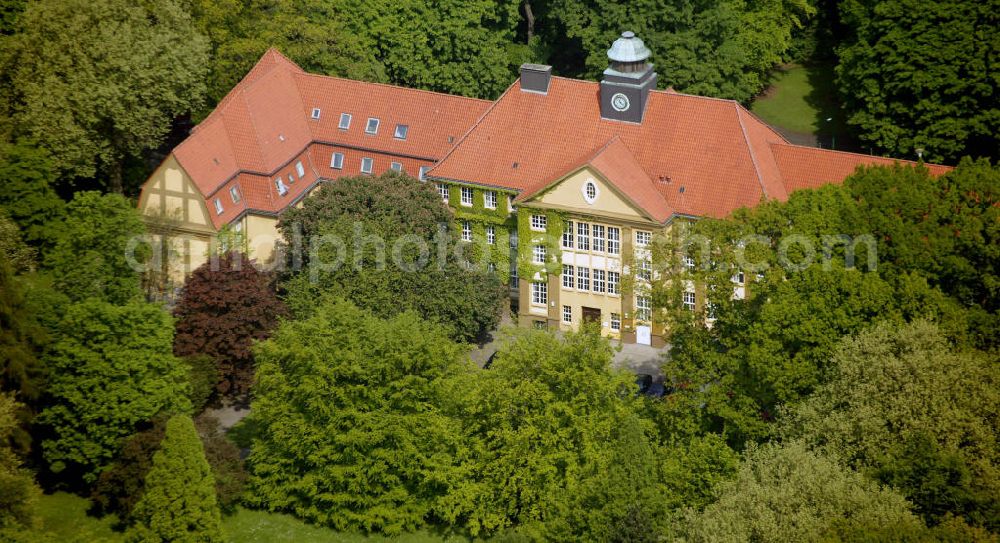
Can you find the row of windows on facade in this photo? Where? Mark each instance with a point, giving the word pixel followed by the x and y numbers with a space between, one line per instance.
pixel 371 127
pixel 368 164
pixel 643 304
pixel 591 237
pixel 615 320
pixel 234 191
pixel 579 278
pixel 467 194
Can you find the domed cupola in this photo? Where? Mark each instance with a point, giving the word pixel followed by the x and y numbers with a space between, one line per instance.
pixel 627 82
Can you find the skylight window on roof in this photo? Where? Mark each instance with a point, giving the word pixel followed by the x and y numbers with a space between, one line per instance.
pixel 337 161
pixel 397 166
pixel 423 172
pixel 345 121
pixel 401 131
pixel 218 206
pixel 366 165
pixel 234 193
pixel 372 126
pixel 280 185
pixel 300 169
pixel 316 113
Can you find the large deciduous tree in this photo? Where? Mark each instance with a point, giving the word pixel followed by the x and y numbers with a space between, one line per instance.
pixel 112 368
pixel 98 254
pixel 26 193
pixel 922 74
pixel 382 243
pixel 178 503
pixel 100 81
pixel 226 305
pixel 18 492
pixel 917 412
pixel 351 433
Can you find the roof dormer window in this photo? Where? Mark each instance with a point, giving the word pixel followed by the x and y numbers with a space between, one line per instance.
pixel 401 131
pixel 316 113
pixel 234 193
pixel 372 126
pixel 280 185
pixel 218 206
pixel 345 121
pixel 300 169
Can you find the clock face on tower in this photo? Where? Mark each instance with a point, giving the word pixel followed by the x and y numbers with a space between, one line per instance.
pixel 620 102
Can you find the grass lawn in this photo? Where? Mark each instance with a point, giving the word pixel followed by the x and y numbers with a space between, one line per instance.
pixel 799 101
pixel 65 519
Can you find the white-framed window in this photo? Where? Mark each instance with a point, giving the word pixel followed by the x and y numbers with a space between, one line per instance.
pixel 538 222
pixel 401 131
pixel 643 308
pixel 300 169
pixel 567 314
pixel 371 127
pixel 280 185
pixel 510 204
pixel 590 192
pixel 234 193
pixel 443 191
pixel 490 199
pixel 291 178
pixel 739 278
pixel 337 161
pixel 467 196
pixel 688 300
pixel 238 227
pixel 614 240
pixel 567 237
pixel 218 206
pixel 645 270
pixel 513 274
pixel 538 254
pixel 597 237
pixel 616 322
pixel 367 164
pixel 491 234
pixel 583 236
pixel 396 166
pixel 345 121
pixel 492 267
pixel 466 231
pixel 614 278
pixel 316 112
pixel 689 262
pixel 539 293
pixel 583 278
pixel 423 173
pixel 567 276
pixel 598 280
pixel 642 238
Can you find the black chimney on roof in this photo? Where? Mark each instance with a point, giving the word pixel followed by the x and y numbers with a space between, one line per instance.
pixel 627 81
pixel 535 78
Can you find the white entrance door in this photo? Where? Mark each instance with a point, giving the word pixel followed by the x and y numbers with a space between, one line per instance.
pixel 642 335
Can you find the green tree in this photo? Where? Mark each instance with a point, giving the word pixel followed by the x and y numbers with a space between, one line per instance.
pixel 722 48
pixel 559 447
pixel 22 337
pixel 922 74
pixel 27 194
pixel 789 493
pixel 380 243
pixel 19 257
pixel 351 434
pixel 98 82
pixel 102 244
pixel 916 412
pixel 112 368
pixel 18 492
pixel 179 503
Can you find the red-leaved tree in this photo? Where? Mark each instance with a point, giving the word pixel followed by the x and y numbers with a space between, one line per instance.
pixel 225 306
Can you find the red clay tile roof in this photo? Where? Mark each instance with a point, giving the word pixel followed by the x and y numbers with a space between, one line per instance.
pixel 713 155
pixel 264 125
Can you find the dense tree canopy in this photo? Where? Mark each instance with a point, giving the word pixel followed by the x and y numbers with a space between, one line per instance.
pixel 383 243
pixel 18 492
pixel 102 245
pixel 922 74
pixel 112 368
pixel 26 193
pixel 226 305
pixel 178 503
pixel 98 81
pixel 922 414
pixel 351 431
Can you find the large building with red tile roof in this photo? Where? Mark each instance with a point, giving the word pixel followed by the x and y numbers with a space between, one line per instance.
pixel 616 162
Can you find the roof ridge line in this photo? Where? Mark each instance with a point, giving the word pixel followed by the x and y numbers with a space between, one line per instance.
pixel 753 158
pixel 763 122
pixel 852 153
pixel 392 86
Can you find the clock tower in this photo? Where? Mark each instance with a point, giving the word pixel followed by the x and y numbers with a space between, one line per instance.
pixel 627 81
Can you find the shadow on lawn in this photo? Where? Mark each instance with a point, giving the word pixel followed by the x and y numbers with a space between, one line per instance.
pixel 831 120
